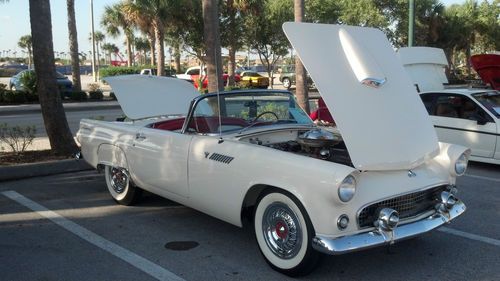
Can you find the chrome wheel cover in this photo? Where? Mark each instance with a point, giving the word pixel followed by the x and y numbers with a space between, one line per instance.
pixel 118 179
pixel 286 83
pixel 282 231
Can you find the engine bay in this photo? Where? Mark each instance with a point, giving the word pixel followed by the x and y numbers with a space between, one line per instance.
pixel 316 143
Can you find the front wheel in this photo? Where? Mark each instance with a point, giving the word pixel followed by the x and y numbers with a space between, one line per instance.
pixel 120 186
pixel 284 234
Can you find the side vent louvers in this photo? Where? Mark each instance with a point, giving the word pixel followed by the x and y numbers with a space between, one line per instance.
pixel 221 158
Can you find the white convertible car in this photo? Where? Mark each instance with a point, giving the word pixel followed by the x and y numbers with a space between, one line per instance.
pixel 255 156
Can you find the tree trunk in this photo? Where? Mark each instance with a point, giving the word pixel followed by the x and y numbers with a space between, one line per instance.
pixel 54 118
pixel 30 57
pixel 300 72
pixel 212 45
pixel 152 50
pixel 177 58
pixel 129 51
pixel 160 59
pixel 232 66
pixel 73 46
pixel 467 61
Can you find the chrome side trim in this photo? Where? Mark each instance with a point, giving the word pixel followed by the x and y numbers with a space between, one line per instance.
pixel 366 240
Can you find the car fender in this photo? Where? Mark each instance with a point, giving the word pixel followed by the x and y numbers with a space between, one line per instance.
pixel 112 155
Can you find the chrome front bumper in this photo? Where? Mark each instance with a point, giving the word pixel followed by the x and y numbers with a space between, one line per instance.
pixel 346 244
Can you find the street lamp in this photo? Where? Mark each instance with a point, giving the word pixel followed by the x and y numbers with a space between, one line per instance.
pixel 93 40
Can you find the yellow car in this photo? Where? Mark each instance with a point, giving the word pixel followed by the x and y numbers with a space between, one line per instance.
pixel 252 79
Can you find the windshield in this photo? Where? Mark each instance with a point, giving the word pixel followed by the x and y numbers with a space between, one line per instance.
pixel 240 111
pixel 490 100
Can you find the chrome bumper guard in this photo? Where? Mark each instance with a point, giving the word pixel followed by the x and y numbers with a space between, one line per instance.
pixel 346 244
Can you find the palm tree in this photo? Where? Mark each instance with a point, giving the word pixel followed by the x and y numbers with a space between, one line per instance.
pixel 115 19
pixel 25 42
pixel 142 46
pixel 212 45
pixel 300 72
pixel 157 13
pixel 54 117
pixel 73 45
pixel 142 21
pixel 109 48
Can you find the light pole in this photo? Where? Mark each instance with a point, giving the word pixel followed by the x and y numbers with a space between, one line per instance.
pixel 93 39
pixel 411 22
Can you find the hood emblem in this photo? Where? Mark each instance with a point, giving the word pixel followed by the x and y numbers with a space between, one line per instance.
pixel 411 174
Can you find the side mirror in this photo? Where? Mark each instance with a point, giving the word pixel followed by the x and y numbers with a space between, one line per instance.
pixel 480 119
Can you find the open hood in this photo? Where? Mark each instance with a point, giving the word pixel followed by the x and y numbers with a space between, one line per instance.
pixel 373 101
pixel 426 67
pixel 142 96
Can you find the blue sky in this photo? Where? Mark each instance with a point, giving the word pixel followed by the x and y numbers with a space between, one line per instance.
pixel 14 23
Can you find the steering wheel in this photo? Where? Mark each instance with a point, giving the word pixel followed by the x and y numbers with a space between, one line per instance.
pixel 264 113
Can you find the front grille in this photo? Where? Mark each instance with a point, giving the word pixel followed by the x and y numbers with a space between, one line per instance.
pixel 408 205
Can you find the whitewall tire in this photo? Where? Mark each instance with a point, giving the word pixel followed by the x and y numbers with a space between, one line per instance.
pixel 120 186
pixel 284 234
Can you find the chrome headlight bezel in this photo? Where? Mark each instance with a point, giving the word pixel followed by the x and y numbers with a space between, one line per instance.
pixel 460 166
pixel 347 189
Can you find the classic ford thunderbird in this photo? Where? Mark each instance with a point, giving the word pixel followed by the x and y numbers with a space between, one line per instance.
pixel 254 156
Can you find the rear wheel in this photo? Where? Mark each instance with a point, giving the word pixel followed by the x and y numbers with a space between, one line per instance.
pixel 284 234
pixel 120 186
pixel 287 83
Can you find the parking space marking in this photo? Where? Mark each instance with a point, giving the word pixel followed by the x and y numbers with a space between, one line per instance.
pixel 482 178
pixel 133 259
pixel 470 236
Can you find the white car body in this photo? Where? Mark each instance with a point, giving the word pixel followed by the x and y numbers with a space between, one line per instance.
pixel 479 131
pixel 195 70
pixel 391 143
pixel 454 123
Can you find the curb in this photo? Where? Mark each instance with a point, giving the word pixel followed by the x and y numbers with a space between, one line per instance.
pixel 24 171
pixel 66 109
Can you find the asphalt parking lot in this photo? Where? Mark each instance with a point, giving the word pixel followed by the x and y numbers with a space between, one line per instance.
pixel 67 227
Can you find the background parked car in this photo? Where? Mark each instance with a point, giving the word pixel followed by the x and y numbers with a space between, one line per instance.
pixel 467 117
pixel 287 77
pixel 16 84
pixel 253 79
pixel 193 73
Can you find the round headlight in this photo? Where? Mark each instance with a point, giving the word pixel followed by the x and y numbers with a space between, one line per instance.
pixel 347 189
pixel 461 165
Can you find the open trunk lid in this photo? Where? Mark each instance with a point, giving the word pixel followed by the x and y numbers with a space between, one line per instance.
pixel 142 96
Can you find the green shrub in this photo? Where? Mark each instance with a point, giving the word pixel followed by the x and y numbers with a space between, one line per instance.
pixel 124 70
pixel 118 70
pixel 32 97
pixel 78 96
pixel 14 97
pixel 233 88
pixel 16 137
pixel 28 80
pixel 96 95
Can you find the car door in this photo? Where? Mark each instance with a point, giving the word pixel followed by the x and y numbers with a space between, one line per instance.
pixel 459 119
pixel 158 158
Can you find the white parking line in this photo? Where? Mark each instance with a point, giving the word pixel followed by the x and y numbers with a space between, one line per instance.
pixel 483 178
pixel 470 236
pixel 135 260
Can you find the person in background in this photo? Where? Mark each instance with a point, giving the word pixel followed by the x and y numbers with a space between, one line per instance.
pixel 322 115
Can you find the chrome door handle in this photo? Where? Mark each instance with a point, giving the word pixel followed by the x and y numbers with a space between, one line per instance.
pixel 140 136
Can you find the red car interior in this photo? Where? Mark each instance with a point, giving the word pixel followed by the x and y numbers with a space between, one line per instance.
pixel 201 125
